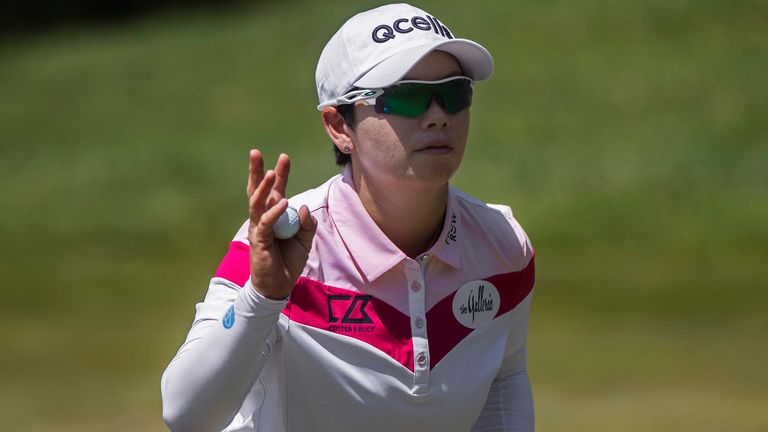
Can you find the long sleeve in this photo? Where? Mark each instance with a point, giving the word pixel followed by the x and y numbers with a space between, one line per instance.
pixel 509 406
pixel 225 350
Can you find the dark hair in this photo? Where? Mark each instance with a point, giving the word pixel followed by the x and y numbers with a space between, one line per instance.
pixel 347 112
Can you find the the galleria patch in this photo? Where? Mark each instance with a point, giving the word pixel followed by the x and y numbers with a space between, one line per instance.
pixel 476 303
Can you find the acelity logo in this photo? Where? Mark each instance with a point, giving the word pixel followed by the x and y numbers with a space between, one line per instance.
pixel 384 32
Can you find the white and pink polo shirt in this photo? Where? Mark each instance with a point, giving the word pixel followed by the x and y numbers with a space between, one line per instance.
pixel 369 339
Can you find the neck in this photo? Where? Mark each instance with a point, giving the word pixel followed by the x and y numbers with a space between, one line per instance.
pixel 411 216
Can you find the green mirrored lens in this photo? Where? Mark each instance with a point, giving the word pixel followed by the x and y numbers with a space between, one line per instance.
pixel 413 99
pixel 456 95
pixel 405 103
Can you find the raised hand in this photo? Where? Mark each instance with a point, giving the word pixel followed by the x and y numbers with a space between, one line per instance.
pixel 275 264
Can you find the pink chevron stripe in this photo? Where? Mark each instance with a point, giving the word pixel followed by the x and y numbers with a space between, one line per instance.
pixel 389 329
pixel 235 266
pixel 514 287
pixel 378 324
pixel 352 314
pixel 445 332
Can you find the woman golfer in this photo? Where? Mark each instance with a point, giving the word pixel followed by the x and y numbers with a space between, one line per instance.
pixel 402 303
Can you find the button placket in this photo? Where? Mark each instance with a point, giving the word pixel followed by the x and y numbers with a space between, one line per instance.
pixel 417 312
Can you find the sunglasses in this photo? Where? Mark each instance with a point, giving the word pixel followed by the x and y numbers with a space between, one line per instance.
pixel 412 98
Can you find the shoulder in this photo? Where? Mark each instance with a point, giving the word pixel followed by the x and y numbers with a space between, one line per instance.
pixel 315 199
pixel 495 226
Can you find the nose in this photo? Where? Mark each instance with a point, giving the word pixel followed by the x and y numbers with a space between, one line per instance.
pixel 434 117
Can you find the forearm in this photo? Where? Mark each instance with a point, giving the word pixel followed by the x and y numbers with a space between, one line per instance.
pixel 206 382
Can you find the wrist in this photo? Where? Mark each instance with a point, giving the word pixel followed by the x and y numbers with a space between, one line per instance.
pixel 273 297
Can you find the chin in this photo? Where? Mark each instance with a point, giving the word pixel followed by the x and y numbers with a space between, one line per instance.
pixel 433 174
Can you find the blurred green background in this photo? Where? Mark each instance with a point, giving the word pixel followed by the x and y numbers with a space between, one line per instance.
pixel 630 139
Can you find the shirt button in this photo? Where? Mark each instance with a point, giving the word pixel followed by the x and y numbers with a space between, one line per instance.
pixel 421 359
pixel 419 323
pixel 416 286
pixel 424 257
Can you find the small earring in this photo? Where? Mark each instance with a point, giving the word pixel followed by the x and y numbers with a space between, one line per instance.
pixel 346 149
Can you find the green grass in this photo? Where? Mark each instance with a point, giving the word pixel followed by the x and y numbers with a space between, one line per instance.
pixel 629 137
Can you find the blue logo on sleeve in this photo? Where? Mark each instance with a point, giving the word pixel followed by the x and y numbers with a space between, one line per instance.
pixel 229 318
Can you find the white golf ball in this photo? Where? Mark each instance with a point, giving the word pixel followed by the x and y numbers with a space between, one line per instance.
pixel 287 225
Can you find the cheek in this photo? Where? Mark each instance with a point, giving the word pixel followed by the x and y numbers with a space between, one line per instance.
pixel 462 124
pixel 377 138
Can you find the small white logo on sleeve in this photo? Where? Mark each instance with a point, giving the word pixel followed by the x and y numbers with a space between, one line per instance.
pixel 476 303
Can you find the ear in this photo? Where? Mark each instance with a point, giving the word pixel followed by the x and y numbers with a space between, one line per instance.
pixel 337 129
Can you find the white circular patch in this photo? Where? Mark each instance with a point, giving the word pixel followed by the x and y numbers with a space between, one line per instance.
pixel 476 303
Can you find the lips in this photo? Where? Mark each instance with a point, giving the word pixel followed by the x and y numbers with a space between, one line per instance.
pixel 434 146
pixel 435 150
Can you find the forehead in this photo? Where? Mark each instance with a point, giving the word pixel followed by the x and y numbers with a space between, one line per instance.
pixel 434 66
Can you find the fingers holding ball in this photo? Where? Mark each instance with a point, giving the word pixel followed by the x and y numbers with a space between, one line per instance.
pixel 287 224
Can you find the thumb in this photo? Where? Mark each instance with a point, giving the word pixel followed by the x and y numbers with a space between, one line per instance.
pixel 308 228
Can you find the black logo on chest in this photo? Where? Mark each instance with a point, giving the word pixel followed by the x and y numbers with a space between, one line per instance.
pixel 350 308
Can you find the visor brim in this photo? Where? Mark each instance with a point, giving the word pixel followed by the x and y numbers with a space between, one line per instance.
pixel 476 62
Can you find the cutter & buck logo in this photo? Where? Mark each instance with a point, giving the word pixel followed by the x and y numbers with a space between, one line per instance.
pixel 348 314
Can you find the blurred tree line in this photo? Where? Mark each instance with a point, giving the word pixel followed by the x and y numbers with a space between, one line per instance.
pixel 19 17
